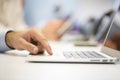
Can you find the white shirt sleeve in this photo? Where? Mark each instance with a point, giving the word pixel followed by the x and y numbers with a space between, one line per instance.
pixel 3 46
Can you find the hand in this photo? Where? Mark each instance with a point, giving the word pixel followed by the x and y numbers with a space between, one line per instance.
pixel 51 28
pixel 114 41
pixel 110 44
pixel 31 40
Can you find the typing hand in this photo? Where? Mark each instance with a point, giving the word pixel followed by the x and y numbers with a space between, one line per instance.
pixel 31 40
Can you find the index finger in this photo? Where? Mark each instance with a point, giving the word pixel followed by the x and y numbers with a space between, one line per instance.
pixel 41 38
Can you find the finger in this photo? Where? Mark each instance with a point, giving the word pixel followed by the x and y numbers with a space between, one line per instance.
pixel 28 46
pixel 45 44
pixel 41 39
pixel 40 48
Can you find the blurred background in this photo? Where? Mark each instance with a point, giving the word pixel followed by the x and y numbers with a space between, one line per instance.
pixel 85 17
pixel 39 11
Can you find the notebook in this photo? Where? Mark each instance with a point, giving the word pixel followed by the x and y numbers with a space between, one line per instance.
pixel 100 33
pixel 97 33
pixel 109 53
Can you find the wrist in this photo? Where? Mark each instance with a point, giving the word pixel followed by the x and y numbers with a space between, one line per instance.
pixel 8 39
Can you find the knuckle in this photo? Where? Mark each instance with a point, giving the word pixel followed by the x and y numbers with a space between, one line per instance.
pixel 33 29
pixel 45 39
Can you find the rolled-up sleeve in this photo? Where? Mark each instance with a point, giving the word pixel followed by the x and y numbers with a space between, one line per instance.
pixel 3 46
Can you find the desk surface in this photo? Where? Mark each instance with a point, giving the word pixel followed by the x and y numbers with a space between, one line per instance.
pixel 16 68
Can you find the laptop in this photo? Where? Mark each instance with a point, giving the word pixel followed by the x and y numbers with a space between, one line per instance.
pixel 100 35
pixel 109 53
pixel 99 30
pixel 97 34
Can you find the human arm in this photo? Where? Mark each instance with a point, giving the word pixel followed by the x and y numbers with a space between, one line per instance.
pixel 51 28
pixel 31 40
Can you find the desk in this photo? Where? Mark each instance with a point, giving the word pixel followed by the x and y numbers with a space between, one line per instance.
pixel 16 68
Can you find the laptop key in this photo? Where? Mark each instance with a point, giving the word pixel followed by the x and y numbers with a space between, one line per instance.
pixel 87 53
pixel 75 55
pixel 82 54
pixel 98 55
pixel 67 54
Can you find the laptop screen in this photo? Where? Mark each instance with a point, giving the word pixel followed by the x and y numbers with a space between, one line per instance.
pixel 113 38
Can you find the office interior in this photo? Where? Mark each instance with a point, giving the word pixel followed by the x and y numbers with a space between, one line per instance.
pixel 85 22
pixel 87 16
pixel 88 21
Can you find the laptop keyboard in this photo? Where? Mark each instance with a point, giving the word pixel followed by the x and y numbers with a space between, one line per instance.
pixel 82 54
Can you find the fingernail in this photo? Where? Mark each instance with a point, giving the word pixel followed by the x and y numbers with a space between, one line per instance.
pixel 50 51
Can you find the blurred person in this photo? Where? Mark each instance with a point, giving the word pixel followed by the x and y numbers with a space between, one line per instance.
pixel 114 42
pixel 49 15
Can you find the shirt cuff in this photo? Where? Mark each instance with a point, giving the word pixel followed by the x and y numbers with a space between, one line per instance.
pixel 3 45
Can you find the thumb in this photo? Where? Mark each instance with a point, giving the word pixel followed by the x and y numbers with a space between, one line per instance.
pixel 29 46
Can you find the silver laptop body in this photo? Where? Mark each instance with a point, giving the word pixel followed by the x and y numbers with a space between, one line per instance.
pixel 106 55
